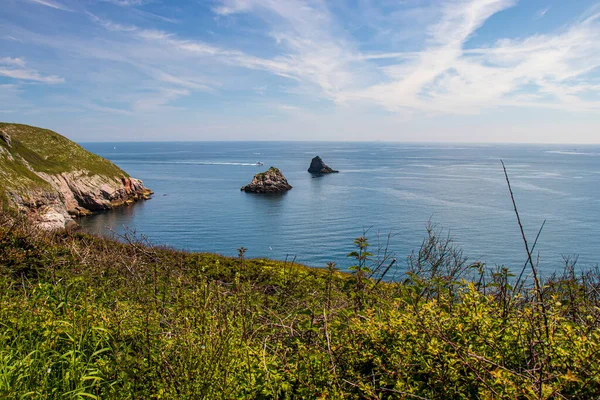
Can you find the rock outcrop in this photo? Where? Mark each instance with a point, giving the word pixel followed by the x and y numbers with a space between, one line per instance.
pixel 317 166
pixel 53 180
pixel 270 181
pixel 84 194
pixel 6 137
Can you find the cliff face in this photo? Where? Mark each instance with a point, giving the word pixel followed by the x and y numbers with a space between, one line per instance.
pixel 53 180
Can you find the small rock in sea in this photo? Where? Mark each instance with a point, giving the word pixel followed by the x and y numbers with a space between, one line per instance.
pixel 317 166
pixel 270 181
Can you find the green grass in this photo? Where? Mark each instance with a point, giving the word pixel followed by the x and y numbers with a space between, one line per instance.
pixel 88 317
pixel 45 151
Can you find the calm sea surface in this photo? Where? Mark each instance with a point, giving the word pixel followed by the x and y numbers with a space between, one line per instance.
pixel 383 187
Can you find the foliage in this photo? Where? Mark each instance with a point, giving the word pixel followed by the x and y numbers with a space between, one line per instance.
pixel 261 176
pixel 88 317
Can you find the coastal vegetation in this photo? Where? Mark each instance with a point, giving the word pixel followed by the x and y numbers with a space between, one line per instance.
pixel 53 179
pixel 47 151
pixel 30 148
pixel 89 317
pixel 83 316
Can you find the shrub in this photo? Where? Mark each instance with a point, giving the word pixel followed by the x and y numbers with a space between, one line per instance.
pixel 88 317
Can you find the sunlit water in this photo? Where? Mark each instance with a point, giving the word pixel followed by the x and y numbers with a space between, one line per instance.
pixel 383 187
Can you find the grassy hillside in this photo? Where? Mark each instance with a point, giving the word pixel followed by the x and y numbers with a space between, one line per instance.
pixel 42 150
pixel 87 317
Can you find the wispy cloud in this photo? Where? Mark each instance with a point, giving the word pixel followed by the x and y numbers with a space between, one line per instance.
pixel 10 98
pixel 170 43
pixel 447 78
pixel 185 82
pixel 410 60
pixel 288 108
pixel 149 15
pixel 128 3
pixel 12 61
pixel 51 4
pixel 111 26
pixel 317 54
pixel 314 48
pixel 541 13
pixel 444 76
pixel 134 5
pixel 106 110
pixel 16 68
pixel 159 99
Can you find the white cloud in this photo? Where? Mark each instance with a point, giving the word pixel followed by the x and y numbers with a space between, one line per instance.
pixel 16 68
pixel 186 82
pixel 288 108
pixel 159 99
pixel 315 49
pixel 541 13
pixel 128 3
pixel 11 100
pixel 169 43
pixel 441 78
pixel 233 6
pixel 51 4
pixel 446 78
pixel 323 60
pixel 12 61
pixel 111 26
pixel 150 15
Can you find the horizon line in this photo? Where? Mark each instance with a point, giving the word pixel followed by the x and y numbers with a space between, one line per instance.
pixel 341 141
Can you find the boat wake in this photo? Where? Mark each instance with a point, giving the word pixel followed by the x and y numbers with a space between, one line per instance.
pixel 191 162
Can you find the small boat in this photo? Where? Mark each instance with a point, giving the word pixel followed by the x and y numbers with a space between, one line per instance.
pixel 259 163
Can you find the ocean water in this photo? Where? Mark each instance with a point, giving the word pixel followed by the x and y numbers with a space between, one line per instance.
pixel 382 187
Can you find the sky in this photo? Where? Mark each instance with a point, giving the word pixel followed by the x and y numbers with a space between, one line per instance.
pixel 355 70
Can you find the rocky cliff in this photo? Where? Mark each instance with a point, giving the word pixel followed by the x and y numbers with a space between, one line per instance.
pixel 270 181
pixel 53 180
pixel 317 166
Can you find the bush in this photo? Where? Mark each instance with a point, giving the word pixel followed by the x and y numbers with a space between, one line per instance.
pixel 88 317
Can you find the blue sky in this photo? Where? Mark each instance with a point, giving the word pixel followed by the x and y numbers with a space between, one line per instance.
pixel 412 70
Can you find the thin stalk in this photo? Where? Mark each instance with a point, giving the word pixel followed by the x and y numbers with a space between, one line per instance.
pixel 529 259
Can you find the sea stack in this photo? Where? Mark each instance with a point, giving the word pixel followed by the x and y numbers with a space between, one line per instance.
pixel 317 166
pixel 270 181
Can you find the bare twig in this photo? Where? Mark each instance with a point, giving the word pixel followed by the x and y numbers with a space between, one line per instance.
pixel 529 259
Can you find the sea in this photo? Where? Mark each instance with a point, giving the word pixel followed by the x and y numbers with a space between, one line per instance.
pixel 388 192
